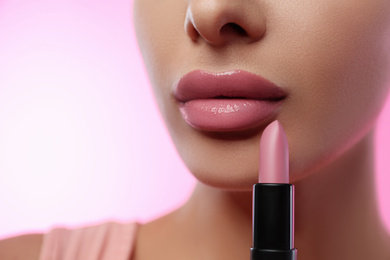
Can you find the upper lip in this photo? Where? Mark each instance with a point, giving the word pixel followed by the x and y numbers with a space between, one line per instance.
pixel 200 84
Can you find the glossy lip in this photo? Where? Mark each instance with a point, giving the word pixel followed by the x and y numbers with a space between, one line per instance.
pixel 227 101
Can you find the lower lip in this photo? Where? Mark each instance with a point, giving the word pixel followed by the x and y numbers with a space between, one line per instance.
pixel 227 114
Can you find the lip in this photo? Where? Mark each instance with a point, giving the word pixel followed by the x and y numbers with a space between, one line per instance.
pixel 227 101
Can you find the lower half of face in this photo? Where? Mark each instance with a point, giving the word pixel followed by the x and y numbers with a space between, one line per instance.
pixel 332 59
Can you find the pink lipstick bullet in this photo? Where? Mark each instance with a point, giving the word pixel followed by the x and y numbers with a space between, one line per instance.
pixel 274 155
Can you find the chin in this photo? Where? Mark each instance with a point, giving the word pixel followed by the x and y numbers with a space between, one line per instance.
pixel 233 180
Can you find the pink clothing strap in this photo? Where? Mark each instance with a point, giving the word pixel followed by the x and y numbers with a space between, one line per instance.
pixel 108 241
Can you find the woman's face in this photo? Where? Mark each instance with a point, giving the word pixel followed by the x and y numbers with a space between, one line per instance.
pixel 330 57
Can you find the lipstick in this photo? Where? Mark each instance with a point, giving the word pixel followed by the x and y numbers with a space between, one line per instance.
pixel 273 200
pixel 227 101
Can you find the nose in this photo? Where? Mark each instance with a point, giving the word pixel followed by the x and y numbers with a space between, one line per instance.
pixel 219 22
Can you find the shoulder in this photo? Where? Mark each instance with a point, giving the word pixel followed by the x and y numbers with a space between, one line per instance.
pixel 88 242
pixel 21 247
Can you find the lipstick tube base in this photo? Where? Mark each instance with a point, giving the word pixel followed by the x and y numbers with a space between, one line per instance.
pixel 264 254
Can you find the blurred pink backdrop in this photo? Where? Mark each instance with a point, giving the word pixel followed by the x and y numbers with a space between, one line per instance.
pixel 81 140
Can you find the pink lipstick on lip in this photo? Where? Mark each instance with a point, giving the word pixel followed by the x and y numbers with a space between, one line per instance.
pixel 227 101
pixel 273 200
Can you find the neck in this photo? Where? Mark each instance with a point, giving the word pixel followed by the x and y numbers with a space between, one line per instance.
pixel 335 216
pixel 336 209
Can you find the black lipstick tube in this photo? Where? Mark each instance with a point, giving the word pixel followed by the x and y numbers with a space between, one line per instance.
pixel 273 222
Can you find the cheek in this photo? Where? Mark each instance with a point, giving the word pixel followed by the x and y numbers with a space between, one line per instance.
pixel 337 67
pixel 160 32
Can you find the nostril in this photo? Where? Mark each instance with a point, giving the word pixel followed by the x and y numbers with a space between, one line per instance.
pixel 232 28
pixel 219 23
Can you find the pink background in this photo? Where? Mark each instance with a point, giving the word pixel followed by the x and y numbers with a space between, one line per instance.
pixel 81 140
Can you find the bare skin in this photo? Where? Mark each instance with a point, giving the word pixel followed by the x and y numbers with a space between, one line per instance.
pixel 332 221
